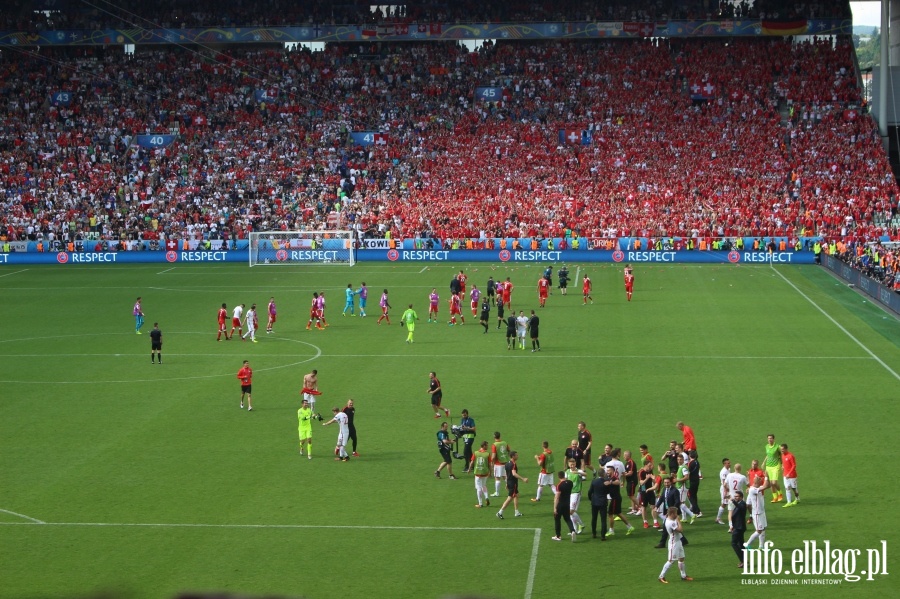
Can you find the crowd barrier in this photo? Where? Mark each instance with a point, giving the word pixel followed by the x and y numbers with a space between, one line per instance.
pixel 882 294
pixel 395 255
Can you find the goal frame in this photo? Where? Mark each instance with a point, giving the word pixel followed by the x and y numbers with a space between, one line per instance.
pixel 333 247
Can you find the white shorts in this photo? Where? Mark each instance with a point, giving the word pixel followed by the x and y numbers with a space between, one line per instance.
pixel 545 479
pixel 499 470
pixel 341 441
pixel 574 501
pixel 759 521
pixel 683 493
pixel 723 495
pixel 675 550
pixel 790 482
pixel 481 484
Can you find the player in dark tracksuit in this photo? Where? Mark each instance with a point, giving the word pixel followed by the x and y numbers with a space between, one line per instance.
pixel 510 331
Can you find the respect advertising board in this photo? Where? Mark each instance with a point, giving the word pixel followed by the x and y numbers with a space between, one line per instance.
pixel 662 257
pixel 421 255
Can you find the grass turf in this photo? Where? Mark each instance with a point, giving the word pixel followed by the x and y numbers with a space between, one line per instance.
pixel 151 481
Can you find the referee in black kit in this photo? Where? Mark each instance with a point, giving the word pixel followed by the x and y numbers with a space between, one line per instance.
pixel 534 324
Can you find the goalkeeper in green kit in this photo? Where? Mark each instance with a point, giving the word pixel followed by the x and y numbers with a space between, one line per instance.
pixel 409 318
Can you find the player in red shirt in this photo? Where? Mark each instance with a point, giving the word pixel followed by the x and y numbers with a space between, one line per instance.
pixel 314 313
pixel 629 281
pixel 586 287
pixel 507 293
pixel 245 375
pixel 455 311
pixel 543 290
pixel 223 318
pixel 789 472
pixel 462 278
pixel 687 432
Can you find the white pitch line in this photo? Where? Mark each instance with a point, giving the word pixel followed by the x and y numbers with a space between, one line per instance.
pixel 261 526
pixel 167 270
pixel 33 520
pixel 593 357
pixel 141 354
pixel 532 564
pixel 424 268
pixel 13 273
pixel 838 325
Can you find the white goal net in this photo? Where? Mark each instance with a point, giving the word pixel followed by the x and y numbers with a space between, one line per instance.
pixel 302 247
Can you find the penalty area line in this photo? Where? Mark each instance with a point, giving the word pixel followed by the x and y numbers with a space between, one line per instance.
pixel 13 273
pixel 167 270
pixel 532 564
pixel 32 520
pixel 35 521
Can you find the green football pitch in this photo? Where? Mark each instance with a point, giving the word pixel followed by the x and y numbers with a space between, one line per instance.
pixel 126 479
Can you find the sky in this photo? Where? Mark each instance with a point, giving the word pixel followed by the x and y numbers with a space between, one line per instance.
pixel 866 13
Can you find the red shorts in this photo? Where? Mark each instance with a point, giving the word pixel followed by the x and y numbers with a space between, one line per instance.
pixel 454 311
pixel 271 318
pixel 221 324
pixel 542 294
pixel 236 322
pixel 629 287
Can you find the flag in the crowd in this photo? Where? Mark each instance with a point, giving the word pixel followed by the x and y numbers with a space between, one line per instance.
pixel 702 90
pixel 851 114
pixel 781 28
pixel 576 137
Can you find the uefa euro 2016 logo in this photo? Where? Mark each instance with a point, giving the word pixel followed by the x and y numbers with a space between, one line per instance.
pixel 814 564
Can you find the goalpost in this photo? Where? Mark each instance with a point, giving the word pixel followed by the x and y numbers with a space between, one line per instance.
pixel 302 247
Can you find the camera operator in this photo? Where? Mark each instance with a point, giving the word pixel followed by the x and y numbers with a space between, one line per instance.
pixel 467 428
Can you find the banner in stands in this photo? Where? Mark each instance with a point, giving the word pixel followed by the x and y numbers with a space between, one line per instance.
pixel 882 294
pixel 424 31
pixel 385 255
pixel 157 140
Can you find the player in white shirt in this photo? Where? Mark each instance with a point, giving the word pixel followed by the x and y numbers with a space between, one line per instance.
pixel 521 328
pixel 735 481
pixel 236 316
pixel 757 501
pixel 340 449
pixel 724 494
pixel 674 547
pixel 251 324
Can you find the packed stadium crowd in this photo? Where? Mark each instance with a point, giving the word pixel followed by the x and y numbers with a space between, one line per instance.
pixel 777 146
pixel 176 14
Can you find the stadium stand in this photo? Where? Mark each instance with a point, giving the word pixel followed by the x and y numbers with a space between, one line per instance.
pixel 103 14
pixel 777 144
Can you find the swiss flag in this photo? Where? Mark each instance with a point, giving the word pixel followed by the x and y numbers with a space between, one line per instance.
pixel 570 136
pixel 380 139
pixel 199 120
pixel 850 115
pixel 435 28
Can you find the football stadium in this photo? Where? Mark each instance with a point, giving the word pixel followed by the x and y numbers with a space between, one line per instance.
pixel 445 299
